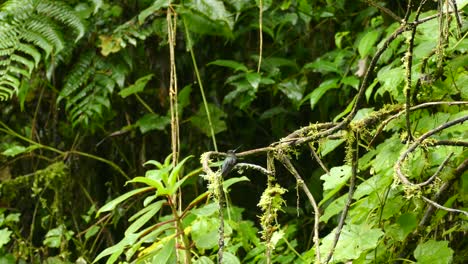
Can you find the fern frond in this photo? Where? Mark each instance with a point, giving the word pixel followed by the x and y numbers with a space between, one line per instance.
pixel 29 29
pixel 63 13
pixel 48 30
pixel 88 86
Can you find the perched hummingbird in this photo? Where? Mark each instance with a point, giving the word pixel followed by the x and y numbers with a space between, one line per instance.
pixel 229 162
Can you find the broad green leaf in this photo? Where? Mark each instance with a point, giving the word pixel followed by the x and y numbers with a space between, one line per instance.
pixel 352 81
pixel 346 111
pixel 329 145
pixel 317 93
pixel 55 236
pixel 151 122
pixel 92 231
pixel 229 258
pixel 254 79
pixel 339 38
pixel 183 99
pixel 208 17
pixel 376 183
pixel 137 87
pixel 16 150
pixel 12 218
pixel 337 177
pixel 117 249
pixel 390 80
pixel 433 252
pixel 354 240
pixel 8 259
pixel 175 172
pixel 294 90
pixel 206 210
pixel 112 204
pixel 323 66
pixel 157 5
pixel 205 232
pixel 407 222
pixel 367 42
pixel 161 190
pixel 243 95
pixel 333 208
pixel 167 252
pixel 334 181
pixel 155 163
pixel 4 236
pixel 143 219
pixel 200 120
pixel 236 66
pixel 227 183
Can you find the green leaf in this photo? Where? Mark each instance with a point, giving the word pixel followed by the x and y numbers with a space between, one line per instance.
pixel 334 181
pixel 294 90
pixel 407 222
pixel 390 80
pixel 329 145
pixel 206 210
pixel 137 87
pixel 16 150
pixel 236 66
pixel 254 79
pixel 117 249
pixel 175 172
pixel 112 204
pixel 318 92
pixel 323 66
pixel 157 5
pixel 433 252
pixel 92 231
pixel 166 253
pixel 153 183
pixel 151 122
pixel 152 210
pixel 4 236
pixel 55 236
pixel 200 120
pixel 367 42
pixel 337 177
pixel 205 232
pixel 229 258
pixel 208 17
pixel 183 99
pixel 227 183
pixel 354 240
pixel 333 208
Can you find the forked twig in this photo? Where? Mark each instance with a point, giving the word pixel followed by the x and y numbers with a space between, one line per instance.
pixel 288 165
pixel 417 143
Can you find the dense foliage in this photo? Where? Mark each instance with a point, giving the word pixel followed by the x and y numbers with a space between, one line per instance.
pixel 348 119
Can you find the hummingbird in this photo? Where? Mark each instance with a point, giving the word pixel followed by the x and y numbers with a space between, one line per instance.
pixel 229 162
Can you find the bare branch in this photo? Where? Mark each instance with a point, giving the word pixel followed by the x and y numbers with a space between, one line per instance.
pixel 385 10
pixel 420 106
pixel 436 174
pixel 242 166
pixel 354 165
pixel 317 158
pixel 456 174
pixel 444 208
pixel 418 142
pixel 287 163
